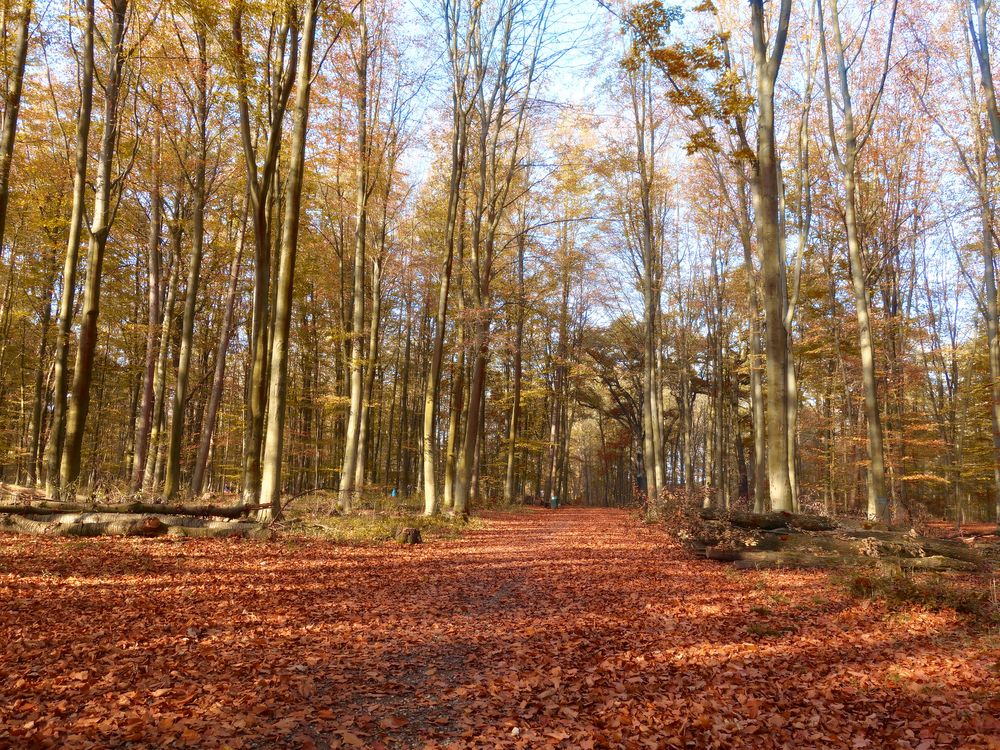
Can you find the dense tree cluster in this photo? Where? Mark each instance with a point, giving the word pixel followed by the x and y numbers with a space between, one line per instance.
pixel 273 246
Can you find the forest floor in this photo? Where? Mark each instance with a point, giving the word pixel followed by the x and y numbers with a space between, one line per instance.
pixel 544 629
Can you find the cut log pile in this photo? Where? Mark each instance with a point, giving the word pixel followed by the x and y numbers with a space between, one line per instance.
pixel 36 514
pixel 789 540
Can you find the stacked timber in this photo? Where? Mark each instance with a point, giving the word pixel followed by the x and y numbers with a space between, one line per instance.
pixel 29 511
pixel 792 540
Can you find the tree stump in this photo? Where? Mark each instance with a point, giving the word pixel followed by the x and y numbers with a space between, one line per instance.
pixel 408 535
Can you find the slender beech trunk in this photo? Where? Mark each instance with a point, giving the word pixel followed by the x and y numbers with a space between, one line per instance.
pixel 760 497
pixel 219 372
pixel 144 425
pixel 390 438
pixel 550 453
pixel 172 481
pixel 515 407
pixel 457 408
pixel 150 475
pixel 38 397
pixel 261 180
pixel 878 502
pixel 349 466
pixel 457 398
pixel 60 376
pixel 460 60
pixel 270 488
pixel 792 296
pixel 12 107
pixel 981 44
pixel 645 155
pixel 83 372
pixel 502 110
pixel 433 384
pixel 373 341
pixel 402 456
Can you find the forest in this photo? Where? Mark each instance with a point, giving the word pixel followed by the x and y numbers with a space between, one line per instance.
pixel 561 297
pixel 267 249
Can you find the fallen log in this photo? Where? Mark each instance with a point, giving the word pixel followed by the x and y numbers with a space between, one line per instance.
pixel 52 507
pixel 768 521
pixel 930 545
pixel 130 524
pixel 118 526
pixel 934 562
pixel 833 549
pixel 765 559
pixel 884 544
pixel 759 560
pixel 775 541
pixel 721 554
pixel 231 531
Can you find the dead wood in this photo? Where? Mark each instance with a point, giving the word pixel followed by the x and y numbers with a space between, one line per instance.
pixel 774 520
pixel 47 507
pixel 129 524
pixel 408 535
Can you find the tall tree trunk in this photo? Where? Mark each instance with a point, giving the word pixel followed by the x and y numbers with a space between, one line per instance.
pixel 12 107
pixel 373 347
pixel 772 260
pixel 38 396
pixel 270 488
pixel 76 419
pixel 261 181
pixel 457 408
pixel 878 502
pixel 219 372
pixel 173 478
pixel 402 457
pixel 981 43
pixel 153 321
pixel 760 496
pixel 150 474
pixel 347 487
pixel 433 384
pixel 645 161
pixel 60 376
pixel 460 59
pixel 515 407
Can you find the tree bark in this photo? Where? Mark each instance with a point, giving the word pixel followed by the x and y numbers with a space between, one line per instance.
pixel 154 291
pixel 515 408
pixel 878 502
pixel 12 107
pixel 349 466
pixel 60 378
pixel 150 475
pixel 981 44
pixel 76 419
pixel 219 372
pixel 772 260
pixel 173 475
pixel 260 183
pixel 270 491
pixel 371 363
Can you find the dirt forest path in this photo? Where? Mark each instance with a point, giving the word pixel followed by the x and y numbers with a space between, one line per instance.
pixel 569 628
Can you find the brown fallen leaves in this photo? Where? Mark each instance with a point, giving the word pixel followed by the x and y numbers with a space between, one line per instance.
pixel 567 629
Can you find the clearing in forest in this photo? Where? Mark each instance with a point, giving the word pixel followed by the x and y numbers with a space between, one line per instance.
pixel 568 629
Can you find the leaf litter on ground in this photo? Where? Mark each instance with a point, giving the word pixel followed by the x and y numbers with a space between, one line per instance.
pixel 565 629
